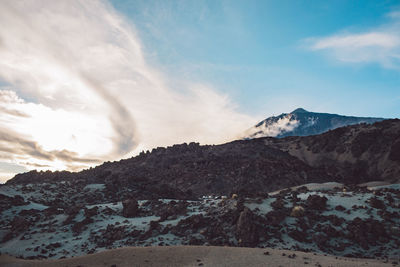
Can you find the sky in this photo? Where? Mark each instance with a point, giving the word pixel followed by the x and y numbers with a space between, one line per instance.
pixel 83 82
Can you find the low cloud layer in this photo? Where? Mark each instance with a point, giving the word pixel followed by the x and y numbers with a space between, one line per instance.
pixel 281 126
pixel 76 89
pixel 378 45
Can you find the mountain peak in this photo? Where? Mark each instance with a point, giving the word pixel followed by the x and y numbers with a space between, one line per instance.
pixel 300 110
pixel 301 122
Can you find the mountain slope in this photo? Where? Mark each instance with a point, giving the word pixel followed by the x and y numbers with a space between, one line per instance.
pixel 351 154
pixel 187 171
pixel 354 153
pixel 302 123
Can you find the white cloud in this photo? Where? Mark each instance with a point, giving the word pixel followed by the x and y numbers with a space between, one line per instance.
pixel 281 126
pixel 377 39
pixel 79 89
pixel 380 45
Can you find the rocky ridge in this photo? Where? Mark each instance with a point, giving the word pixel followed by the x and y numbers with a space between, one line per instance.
pixel 350 155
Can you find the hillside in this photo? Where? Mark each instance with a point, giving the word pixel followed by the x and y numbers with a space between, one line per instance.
pixel 352 154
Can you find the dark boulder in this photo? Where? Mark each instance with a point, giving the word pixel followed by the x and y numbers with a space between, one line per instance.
pixel 91 212
pixel 130 208
pixel 172 209
pixel 278 204
pixel 376 203
pixel 316 202
pixel 340 208
pixel 246 229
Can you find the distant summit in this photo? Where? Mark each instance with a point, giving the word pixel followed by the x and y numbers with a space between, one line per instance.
pixel 299 110
pixel 301 122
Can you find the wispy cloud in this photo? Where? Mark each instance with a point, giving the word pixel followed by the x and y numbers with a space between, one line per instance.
pixel 378 45
pixel 79 89
pixel 354 41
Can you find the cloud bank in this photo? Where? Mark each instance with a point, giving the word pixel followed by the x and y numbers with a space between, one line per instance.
pixel 380 45
pixel 281 126
pixel 76 89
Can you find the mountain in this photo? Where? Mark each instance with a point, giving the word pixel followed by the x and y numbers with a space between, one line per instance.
pixel 351 154
pixel 301 122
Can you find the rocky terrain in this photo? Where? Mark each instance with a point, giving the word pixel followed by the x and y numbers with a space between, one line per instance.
pixel 325 218
pixel 191 171
pixel 301 122
pixel 298 193
pixel 354 153
pixel 350 155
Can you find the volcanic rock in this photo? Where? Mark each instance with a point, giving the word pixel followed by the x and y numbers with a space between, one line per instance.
pixel 130 208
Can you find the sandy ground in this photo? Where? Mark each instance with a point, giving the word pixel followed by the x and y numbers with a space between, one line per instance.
pixel 195 256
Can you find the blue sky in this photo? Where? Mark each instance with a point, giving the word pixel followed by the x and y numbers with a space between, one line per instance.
pixel 258 52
